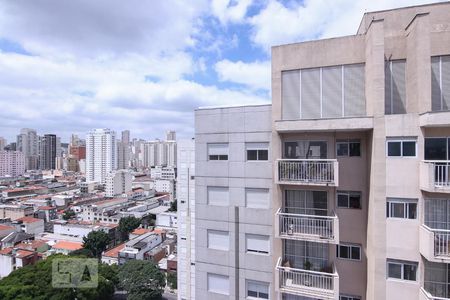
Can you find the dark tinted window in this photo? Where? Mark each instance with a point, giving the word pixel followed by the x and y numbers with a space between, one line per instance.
pixel 394 148
pixel 355 149
pixel 409 148
pixel 435 149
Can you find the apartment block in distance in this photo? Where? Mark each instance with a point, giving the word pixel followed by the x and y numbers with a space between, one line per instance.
pixel 344 192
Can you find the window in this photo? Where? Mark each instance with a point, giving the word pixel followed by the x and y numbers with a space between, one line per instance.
pixel 257 198
pixel 219 284
pixel 395 91
pixel 346 297
pixel 402 270
pixel 352 252
pixel 305 149
pixel 218 151
pixel 348 148
pixel 401 208
pixel 257 151
pixel 440 84
pixel 218 240
pixel 257 289
pixel 218 195
pixel 348 199
pixel 401 148
pixel 256 243
pixel 436 148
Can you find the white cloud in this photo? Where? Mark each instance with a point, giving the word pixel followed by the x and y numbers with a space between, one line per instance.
pixel 278 23
pixel 230 11
pixel 255 75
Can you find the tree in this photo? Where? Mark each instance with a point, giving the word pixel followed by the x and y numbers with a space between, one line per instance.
pixel 142 280
pixel 127 225
pixel 96 242
pixel 172 280
pixel 68 214
pixel 173 206
pixel 34 282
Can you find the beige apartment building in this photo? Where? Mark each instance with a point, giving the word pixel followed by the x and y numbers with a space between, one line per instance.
pixel 358 205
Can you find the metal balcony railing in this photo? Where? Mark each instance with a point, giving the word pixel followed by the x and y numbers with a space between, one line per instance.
pixel 308 171
pixel 308 283
pixel 308 227
pixel 435 174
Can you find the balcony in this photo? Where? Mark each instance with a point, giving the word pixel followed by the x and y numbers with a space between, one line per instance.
pixel 307 283
pixel 318 172
pixel 434 244
pixel 425 295
pixel 321 229
pixel 434 176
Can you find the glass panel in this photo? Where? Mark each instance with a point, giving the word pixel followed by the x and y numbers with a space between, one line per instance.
pixel 398 210
pixel 355 201
pixel 409 148
pixel 395 270
pixel 252 154
pixel 409 272
pixel 356 253
pixel 435 149
pixel 355 149
pixel 394 149
pixel 343 200
pixel 344 252
pixel 412 210
pixel 342 149
pixel 263 155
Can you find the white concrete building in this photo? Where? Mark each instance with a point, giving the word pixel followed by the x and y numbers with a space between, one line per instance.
pixel 137 247
pixel 12 163
pixel 27 143
pixel 118 183
pixel 101 154
pixel 160 172
pixel 186 219
pixel 167 220
pixel 159 153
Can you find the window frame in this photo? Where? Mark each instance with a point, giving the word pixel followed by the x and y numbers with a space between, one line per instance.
pixel 208 288
pixel 348 142
pixel 257 252
pixel 401 141
pixel 219 156
pixel 402 271
pixel 406 203
pixel 349 297
pixel 257 149
pixel 350 247
pixel 247 281
pixel 208 245
pixel 260 190
pixel 212 187
pixel 348 194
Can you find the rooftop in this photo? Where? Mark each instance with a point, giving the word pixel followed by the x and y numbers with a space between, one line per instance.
pixel 72 246
pixel 114 252
pixel 27 220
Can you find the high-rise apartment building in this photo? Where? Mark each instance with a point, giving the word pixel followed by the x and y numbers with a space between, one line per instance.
pixel 171 135
pixel 118 183
pixel 126 137
pixel 186 219
pixel 3 143
pixel 359 204
pixel 101 154
pixel 12 163
pixel 123 155
pixel 159 153
pixel 27 143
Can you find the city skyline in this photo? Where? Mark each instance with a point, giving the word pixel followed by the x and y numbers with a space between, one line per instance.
pixel 218 53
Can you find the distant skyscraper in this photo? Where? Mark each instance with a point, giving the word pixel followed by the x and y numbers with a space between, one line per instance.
pixel 126 136
pixel 48 152
pixel 186 216
pixel 171 135
pixel 27 143
pixel 101 151
pixel 3 143
pixel 12 163
pixel 123 155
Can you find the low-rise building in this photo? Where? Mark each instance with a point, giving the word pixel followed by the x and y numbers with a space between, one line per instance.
pixel 111 257
pixel 118 183
pixel 15 211
pixel 12 259
pixel 137 247
pixel 167 220
pixel 64 247
pixel 160 172
pixel 29 225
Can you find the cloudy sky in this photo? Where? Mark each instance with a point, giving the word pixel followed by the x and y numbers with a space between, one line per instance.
pixel 145 65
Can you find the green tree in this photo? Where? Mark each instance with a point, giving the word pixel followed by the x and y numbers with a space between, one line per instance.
pixel 172 280
pixel 68 214
pixel 34 282
pixel 127 225
pixel 96 242
pixel 142 280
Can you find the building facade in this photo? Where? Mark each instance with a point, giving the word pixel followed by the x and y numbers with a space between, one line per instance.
pixel 48 153
pixel 186 219
pixel 118 183
pixel 360 195
pixel 101 154
pixel 27 143
pixel 12 163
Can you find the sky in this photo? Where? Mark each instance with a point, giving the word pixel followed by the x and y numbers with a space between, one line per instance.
pixel 144 65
